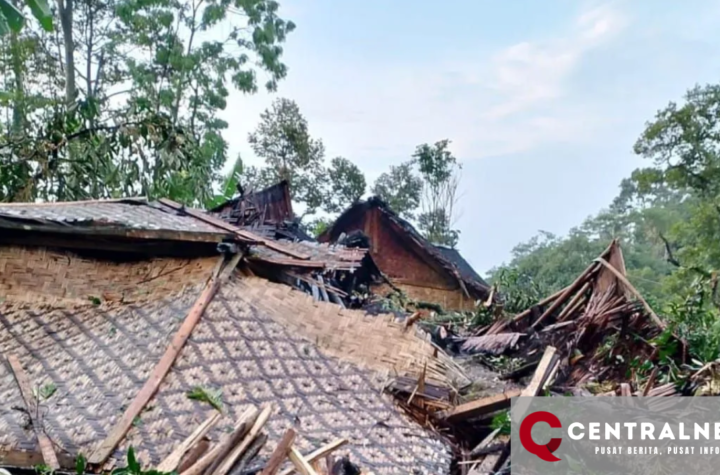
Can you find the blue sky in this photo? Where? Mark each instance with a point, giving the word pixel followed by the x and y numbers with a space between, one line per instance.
pixel 542 100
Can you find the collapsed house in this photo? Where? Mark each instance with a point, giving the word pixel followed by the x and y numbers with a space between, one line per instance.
pixel 331 273
pixel 424 271
pixel 597 333
pixel 267 212
pixel 112 313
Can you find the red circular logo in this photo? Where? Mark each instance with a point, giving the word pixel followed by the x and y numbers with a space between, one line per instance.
pixel 545 452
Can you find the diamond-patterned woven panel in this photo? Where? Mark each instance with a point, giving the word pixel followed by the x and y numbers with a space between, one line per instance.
pixel 255 360
pixel 98 359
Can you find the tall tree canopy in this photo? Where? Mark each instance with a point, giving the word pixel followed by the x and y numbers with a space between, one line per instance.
pixel 440 173
pixel 123 98
pixel 283 141
pixel 400 188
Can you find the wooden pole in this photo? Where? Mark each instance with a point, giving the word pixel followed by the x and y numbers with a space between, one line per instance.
pixel 107 446
pixel 23 382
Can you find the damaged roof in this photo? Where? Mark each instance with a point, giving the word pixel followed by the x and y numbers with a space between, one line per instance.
pixel 140 218
pixel 258 343
pixel 131 214
pixel 466 270
pixel 273 202
pixel 323 256
pixel 449 259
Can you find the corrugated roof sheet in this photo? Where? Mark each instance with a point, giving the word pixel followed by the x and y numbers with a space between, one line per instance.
pixel 325 256
pixel 136 213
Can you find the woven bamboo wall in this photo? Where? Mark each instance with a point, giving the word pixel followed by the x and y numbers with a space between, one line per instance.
pixel 373 341
pixel 32 274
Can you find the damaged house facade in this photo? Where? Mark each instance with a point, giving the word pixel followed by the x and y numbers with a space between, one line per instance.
pixel 113 312
pixel 424 271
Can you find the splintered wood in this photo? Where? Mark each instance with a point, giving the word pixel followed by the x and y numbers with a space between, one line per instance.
pixel 599 317
pixel 232 454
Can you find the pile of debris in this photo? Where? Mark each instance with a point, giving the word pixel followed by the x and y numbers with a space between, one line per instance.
pixel 235 452
pixel 598 336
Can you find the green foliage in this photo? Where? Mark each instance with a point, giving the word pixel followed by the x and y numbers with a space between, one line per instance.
pixel 424 189
pixel 80 464
pixel 134 468
pixel 209 396
pixel 346 185
pixel 401 189
pixel 439 170
pixel 667 217
pixel 125 100
pixel 519 291
pixel 318 226
pixel 43 469
pixel 283 141
pixel 45 392
pixel 228 186
pixel 503 422
pixel 435 226
pixel 13 20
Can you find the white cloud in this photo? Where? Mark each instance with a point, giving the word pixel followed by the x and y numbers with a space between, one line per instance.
pixel 489 104
pixel 531 72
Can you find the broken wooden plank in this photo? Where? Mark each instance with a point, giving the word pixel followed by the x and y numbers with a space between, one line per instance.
pixel 322 452
pixel 634 291
pixel 252 451
pixel 172 461
pixel 23 382
pixel 545 367
pixel 280 453
pixel 246 235
pixel 242 426
pixel 484 443
pixel 491 463
pixel 107 446
pixel 301 464
pixel 650 381
pixel 569 290
pixel 193 455
pixel 551 375
pixel 541 373
pixel 480 406
pixel 236 452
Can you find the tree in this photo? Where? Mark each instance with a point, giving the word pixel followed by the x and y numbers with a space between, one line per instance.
pixel 130 95
pixel 400 188
pixel 283 141
pixel 683 143
pixel 439 170
pixel 346 184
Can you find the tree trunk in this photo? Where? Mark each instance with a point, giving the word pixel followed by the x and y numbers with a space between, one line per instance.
pixel 65 8
pixel 18 104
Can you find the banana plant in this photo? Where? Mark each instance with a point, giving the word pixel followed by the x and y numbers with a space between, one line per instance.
pixel 12 18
